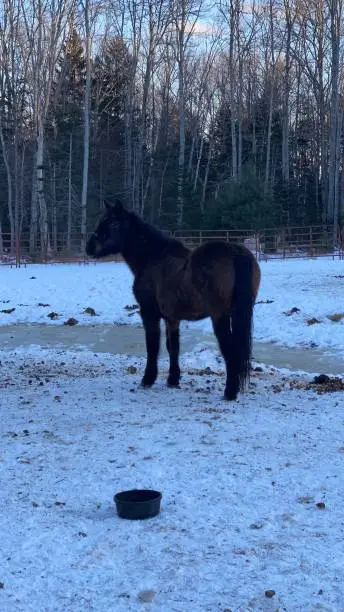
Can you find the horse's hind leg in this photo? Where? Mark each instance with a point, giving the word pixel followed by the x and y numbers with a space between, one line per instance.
pixel 152 331
pixel 222 329
pixel 172 345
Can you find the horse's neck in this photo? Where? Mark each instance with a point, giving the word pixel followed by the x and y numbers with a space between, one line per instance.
pixel 134 263
pixel 142 250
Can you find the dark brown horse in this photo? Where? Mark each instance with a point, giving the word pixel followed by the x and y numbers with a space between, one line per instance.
pixel 217 280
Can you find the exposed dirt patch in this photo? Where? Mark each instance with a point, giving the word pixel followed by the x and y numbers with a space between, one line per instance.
pixel 321 384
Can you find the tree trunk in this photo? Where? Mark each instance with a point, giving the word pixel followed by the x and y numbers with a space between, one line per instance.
pixel 54 211
pixel 21 190
pixel 128 153
pixel 337 185
pixel 286 96
pixel 254 142
pixel 341 207
pixel 86 126
pixel 9 186
pixel 69 210
pixel 205 182
pixel 199 158
pixel 17 184
pixel 43 215
pixel 34 211
pixel 161 191
pixel 254 130
pixel 232 87
pixel 333 176
pixel 271 75
pixel 240 104
pixel 143 131
pixel 181 110
pixel 195 137
pixel 268 144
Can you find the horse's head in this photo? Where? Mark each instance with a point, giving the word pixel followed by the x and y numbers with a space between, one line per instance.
pixel 109 236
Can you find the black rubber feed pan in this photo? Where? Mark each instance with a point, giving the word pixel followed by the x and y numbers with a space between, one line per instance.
pixel 138 503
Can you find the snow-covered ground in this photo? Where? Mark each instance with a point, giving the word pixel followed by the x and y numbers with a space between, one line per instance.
pixel 240 486
pixel 252 509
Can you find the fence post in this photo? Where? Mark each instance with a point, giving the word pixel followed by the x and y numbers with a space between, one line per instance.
pixel 311 241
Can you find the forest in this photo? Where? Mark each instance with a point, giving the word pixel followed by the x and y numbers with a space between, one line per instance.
pixel 195 114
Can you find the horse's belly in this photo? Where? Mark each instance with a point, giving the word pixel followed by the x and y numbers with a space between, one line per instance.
pixel 195 317
pixel 184 314
pixel 183 305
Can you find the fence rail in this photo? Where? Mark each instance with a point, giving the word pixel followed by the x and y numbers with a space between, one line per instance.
pixel 276 243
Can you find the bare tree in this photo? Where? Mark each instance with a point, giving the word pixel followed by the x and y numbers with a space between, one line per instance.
pixel 45 23
pixel 13 76
pixel 156 23
pixel 90 11
pixel 290 12
pixel 186 15
pixel 336 12
pixel 135 12
pixel 86 10
pixel 270 83
pixel 312 59
pixel 162 133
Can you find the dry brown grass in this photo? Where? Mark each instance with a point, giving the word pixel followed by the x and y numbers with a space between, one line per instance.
pixel 336 316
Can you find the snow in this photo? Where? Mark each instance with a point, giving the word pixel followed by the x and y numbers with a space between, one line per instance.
pixel 240 485
pixel 240 481
pixel 315 286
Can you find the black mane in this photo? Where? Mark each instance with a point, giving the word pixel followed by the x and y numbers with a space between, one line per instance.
pixel 146 242
pixel 147 229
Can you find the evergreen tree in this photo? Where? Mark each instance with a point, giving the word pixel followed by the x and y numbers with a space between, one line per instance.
pixel 65 137
pixel 111 75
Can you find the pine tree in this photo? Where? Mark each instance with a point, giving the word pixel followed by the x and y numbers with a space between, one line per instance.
pixel 66 125
pixel 112 69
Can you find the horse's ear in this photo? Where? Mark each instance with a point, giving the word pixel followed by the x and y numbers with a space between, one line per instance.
pixel 118 208
pixel 108 206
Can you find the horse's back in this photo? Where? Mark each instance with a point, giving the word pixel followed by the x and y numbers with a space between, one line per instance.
pixel 219 249
pixel 214 266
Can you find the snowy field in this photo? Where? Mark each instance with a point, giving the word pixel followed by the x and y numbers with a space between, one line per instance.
pixel 315 287
pixel 252 506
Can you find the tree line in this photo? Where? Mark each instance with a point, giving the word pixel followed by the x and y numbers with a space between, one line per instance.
pixel 197 115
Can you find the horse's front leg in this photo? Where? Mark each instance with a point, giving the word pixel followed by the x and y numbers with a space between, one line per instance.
pixel 152 331
pixel 172 345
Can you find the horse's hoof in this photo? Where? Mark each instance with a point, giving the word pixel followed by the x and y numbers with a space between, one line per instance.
pixel 230 397
pixel 147 384
pixel 173 380
pixel 173 384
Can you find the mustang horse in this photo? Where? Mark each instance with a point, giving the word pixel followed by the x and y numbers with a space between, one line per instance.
pixel 171 282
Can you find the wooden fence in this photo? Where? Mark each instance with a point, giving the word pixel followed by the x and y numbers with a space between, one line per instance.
pixel 276 243
pixel 266 244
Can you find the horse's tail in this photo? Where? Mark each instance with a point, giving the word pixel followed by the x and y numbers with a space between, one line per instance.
pixel 242 318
